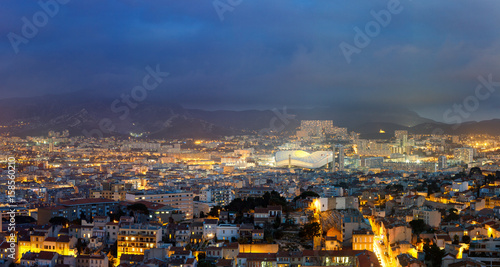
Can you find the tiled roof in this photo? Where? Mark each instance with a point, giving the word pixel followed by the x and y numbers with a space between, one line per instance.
pixel 46 255
pixel 131 258
pixel 258 256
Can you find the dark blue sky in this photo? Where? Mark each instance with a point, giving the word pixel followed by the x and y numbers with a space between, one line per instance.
pixel 263 54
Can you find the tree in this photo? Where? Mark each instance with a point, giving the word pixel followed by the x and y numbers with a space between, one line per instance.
pixel 58 220
pixel 489 179
pixel 278 234
pixel 269 198
pixel 288 220
pixel 111 260
pixel 84 217
pixel 115 216
pixel 138 208
pixel 433 253
pixel 398 188
pixel 205 263
pixel 452 215
pixel 466 239
pixel 81 245
pixel 201 256
pixel 202 214
pixel 114 249
pixel 306 194
pixel 456 239
pixel 277 222
pixel 433 188
pixel 25 219
pixel 475 170
pixel 417 226
pixel 214 212
pixel 76 222
pixel 310 230
pixel 243 240
pixel 277 199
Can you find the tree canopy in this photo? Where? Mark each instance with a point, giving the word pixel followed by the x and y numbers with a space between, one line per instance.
pixel 58 220
pixel 433 253
pixel 475 170
pixel 25 219
pixel 273 198
pixel 306 194
pixel 310 230
pixel 452 216
pixel 417 226
pixel 139 208
pixel 214 211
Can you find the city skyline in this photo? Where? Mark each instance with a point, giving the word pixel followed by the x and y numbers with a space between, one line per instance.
pixel 250 133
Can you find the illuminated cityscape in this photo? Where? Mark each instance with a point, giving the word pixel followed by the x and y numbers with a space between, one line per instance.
pixel 237 133
pixel 171 198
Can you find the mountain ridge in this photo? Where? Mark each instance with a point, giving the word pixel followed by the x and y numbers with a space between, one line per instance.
pixel 80 111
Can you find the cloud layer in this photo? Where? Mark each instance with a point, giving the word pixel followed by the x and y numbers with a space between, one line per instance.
pixel 262 54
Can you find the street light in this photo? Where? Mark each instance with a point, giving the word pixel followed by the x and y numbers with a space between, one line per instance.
pixel 317 205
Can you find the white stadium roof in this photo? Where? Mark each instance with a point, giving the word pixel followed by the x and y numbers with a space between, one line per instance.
pixel 303 159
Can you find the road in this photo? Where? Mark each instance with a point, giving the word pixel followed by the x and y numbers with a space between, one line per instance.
pixel 380 252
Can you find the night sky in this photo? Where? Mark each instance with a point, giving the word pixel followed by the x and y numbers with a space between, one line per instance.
pixel 258 53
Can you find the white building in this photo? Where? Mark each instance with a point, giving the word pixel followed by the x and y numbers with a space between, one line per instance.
pixel 181 200
pixel 430 217
pixel 228 232
pixel 221 196
pixel 299 158
pixel 209 228
pixel 333 191
pixel 112 229
pixel 459 186
pixel 339 203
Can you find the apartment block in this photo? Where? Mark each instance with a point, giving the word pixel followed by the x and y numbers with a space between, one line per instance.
pixel 181 200
pixel 74 209
pixel 136 238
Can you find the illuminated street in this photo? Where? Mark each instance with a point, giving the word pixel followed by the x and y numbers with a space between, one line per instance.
pixel 379 251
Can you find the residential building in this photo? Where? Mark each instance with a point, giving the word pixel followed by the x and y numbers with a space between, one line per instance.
pixel 362 239
pixel 429 216
pixel 75 209
pixel 229 232
pixel 114 191
pixel 92 260
pixel 254 192
pixel 182 200
pixel 464 154
pixel 136 238
pixel 209 228
pixel 221 196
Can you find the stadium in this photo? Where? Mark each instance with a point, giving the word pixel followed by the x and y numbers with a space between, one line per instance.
pixel 299 158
